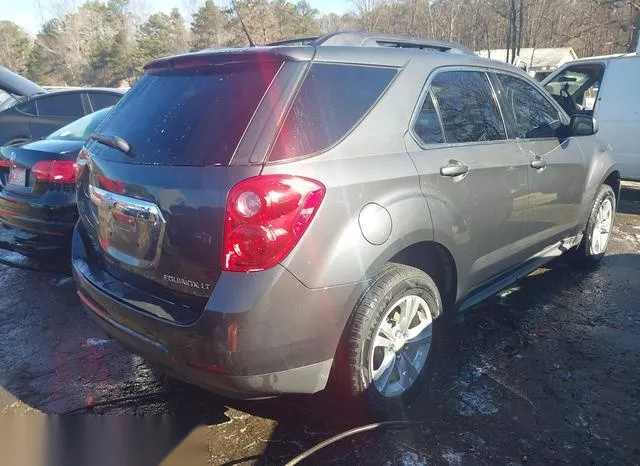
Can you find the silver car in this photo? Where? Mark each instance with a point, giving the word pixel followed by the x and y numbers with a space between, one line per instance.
pixel 298 216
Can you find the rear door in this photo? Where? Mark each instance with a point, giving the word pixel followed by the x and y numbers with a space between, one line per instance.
pixel 473 175
pixel 156 215
pixel 557 169
pixel 55 111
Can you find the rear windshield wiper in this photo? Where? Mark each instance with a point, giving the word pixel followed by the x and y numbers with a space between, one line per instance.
pixel 113 141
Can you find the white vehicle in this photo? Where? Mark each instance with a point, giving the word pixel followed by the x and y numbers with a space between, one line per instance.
pixel 609 89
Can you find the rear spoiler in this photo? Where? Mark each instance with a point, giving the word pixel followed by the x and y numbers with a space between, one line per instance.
pixel 206 58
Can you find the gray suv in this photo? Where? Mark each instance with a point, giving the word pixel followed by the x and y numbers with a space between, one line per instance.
pixel 299 214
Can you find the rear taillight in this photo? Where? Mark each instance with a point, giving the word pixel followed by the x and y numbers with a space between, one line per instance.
pixel 265 217
pixel 4 163
pixel 56 171
pixel 81 162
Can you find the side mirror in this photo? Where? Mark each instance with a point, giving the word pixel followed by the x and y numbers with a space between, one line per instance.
pixel 583 125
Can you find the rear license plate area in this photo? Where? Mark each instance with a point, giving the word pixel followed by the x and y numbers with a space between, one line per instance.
pixel 129 230
pixel 17 176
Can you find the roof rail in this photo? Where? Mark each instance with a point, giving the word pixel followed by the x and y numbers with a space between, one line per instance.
pixel 295 41
pixel 373 39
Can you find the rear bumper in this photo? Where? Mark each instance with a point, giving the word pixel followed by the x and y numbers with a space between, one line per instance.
pixel 52 219
pixel 259 335
pixel 305 379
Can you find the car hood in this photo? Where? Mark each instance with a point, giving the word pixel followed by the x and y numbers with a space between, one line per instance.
pixel 16 84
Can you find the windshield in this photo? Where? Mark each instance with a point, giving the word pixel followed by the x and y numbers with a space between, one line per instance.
pixel 81 129
pixel 570 79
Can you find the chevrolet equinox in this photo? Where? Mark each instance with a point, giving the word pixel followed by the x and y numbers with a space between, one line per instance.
pixel 267 220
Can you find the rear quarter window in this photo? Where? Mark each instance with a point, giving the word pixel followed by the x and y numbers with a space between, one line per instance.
pixel 427 126
pixel 332 99
pixel 191 117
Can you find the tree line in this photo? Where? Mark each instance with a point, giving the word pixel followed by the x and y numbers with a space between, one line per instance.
pixel 107 43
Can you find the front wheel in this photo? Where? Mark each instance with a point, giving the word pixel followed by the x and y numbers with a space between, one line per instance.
pixel 392 340
pixel 598 230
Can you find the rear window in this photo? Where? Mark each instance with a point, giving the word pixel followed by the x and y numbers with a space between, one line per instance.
pixel 191 117
pixel 331 100
pixel 81 129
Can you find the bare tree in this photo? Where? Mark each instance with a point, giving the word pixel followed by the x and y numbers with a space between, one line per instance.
pixel 369 13
pixel 82 45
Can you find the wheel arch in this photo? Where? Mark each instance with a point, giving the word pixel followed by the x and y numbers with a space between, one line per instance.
pixel 431 257
pixel 601 170
pixel 435 260
pixel 613 180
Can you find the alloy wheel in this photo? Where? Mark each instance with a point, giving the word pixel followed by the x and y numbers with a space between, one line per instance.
pixel 401 345
pixel 602 228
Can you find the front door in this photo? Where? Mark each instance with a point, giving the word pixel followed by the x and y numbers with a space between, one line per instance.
pixel 557 169
pixel 474 177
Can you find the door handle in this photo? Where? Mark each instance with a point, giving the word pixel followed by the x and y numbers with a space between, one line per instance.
pixel 538 163
pixel 454 169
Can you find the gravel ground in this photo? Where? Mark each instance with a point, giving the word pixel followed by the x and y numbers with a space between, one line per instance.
pixel 545 373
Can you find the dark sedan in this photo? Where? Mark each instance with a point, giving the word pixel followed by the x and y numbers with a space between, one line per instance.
pixel 29 112
pixel 37 192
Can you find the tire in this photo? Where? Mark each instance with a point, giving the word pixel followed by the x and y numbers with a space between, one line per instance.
pixel 363 357
pixel 593 247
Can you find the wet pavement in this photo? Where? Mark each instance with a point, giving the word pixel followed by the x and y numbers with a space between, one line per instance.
pixel 548 372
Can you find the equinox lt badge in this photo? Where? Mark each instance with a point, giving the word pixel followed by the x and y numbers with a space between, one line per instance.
pixel 185 282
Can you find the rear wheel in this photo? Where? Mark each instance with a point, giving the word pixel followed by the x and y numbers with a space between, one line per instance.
pixel 392 340
pixel 598 230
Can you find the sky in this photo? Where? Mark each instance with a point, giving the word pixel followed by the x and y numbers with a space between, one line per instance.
pixel 30 14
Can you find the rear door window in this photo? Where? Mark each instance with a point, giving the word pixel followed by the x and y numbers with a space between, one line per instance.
pixel 332 99
pixel 100 100
pixel 534 115
pixel 468 108
pixel 62 105
pixel 190 117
